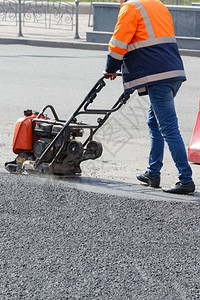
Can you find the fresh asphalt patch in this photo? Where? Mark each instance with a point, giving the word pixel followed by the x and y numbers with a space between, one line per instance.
pixel 96 239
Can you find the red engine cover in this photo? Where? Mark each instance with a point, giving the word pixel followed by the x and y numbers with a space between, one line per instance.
pixel 22 140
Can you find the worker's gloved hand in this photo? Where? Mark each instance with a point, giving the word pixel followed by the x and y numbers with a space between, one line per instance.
pixel 110 76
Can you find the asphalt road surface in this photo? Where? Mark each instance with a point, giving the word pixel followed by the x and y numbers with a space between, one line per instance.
pixel 59 242
pixel 102 236
pixel 32 77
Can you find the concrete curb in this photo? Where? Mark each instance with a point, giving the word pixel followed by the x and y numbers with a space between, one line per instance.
pixel 56 44
pixel 76 44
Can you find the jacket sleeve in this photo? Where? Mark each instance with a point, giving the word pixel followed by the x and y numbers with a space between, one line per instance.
pixel 123 34
pixel 112 65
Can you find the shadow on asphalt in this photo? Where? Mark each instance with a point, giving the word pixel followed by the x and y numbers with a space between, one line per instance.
pixel 124 189
pixel 112 187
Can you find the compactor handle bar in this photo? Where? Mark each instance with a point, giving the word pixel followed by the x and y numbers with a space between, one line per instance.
pixel 93 93
pixel 84 105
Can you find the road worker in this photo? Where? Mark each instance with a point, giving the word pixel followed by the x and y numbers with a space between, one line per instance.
pixel 144 48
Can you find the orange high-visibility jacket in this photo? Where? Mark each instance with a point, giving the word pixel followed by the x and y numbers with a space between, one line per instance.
pixel 143 45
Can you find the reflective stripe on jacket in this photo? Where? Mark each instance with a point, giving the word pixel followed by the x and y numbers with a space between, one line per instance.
pixel 144 45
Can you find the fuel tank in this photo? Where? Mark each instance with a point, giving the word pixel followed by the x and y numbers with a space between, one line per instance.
pixel 22 139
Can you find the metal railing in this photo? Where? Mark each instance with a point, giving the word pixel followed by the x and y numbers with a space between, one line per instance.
pixel 8 12
pixel 49 14
pixel 34 13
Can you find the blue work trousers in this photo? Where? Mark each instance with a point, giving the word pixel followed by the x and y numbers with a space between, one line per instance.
pixel 163 126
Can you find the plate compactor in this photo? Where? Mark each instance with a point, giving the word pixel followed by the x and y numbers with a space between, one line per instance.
pixel 54 146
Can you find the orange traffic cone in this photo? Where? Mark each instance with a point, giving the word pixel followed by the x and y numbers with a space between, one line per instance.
pixel 194 146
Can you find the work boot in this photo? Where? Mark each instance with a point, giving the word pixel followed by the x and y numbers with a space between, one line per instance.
pixel 153 181
pixel 181 188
